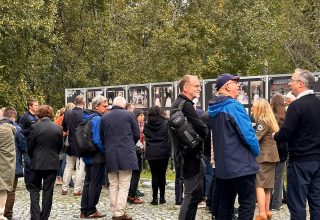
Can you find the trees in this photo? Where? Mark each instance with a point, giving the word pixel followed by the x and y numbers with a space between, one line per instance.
pixel 49 45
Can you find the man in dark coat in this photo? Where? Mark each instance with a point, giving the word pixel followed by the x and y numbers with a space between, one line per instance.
pixel 193 167
pixel 301 128
pixel 120 131
pixel 45 142
pixel 70 122
pixel 26 121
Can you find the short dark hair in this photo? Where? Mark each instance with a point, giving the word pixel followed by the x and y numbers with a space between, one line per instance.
pixel 9 112
pixel 30 102
pixel 45 111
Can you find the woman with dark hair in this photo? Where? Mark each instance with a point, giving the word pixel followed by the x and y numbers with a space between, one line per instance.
pixel 158 151
pixel 44 145
pixel 133 196
pixel 279 109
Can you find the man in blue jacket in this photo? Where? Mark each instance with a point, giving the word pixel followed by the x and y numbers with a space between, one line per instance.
pixel 235 148
pixel 95 162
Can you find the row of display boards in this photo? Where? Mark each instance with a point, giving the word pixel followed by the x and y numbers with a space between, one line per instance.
pixel 143 96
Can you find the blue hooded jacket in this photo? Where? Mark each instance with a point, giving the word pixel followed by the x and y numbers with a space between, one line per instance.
pixel 234 139
pixel 99 156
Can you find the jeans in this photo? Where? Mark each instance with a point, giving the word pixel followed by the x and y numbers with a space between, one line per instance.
pixel 208 177
pixel 303 184
pixel 192 195
pixel 244 186
pixel 92 188
pixel 276 200
pixel 26 160
pixel 158 176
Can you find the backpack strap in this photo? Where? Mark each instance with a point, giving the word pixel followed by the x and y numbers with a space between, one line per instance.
pixel 180 107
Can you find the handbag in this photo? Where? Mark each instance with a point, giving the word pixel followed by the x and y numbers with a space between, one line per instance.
pixel 65 145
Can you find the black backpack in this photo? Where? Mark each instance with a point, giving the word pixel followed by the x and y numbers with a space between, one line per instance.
pixel 183 130
pixel 85 145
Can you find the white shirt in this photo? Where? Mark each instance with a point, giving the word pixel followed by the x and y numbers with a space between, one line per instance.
pixel 306 92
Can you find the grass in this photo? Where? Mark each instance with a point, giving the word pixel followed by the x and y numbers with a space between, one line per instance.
pixel 170 175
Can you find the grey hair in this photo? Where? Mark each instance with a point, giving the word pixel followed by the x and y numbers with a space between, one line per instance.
pixel 120 101
pixel 97 101
pixel 307 77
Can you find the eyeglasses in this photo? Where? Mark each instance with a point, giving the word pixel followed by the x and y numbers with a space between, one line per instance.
pixel 105 106
pixel 295 80
pixel 196 86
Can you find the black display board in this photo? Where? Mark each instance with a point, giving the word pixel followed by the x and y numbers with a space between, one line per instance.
pixel 279 85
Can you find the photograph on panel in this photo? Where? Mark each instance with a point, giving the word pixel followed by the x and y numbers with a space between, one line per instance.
pixel 243 97
pixel 91 93
pixel 138 96
pixel 162 95
pixel 256 90
pixel 73 93
pixel 280 85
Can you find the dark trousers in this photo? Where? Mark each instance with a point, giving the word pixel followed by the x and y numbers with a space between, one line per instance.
pixel 8 212
pixel 228 189
pixel 26 160
pixel 192 195
pixel 135 178
pixel 207 183
pixel 178 185
pixel 36 177
pixel 303 183
pixel 158 176
pixel 276 198
pixel 92 188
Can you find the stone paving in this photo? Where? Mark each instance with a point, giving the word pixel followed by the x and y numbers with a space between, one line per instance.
pixel 67 207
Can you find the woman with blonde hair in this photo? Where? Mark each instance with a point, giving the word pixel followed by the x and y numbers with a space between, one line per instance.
pixel 266 125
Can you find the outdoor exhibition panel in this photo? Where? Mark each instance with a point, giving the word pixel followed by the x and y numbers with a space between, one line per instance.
pixel 143 96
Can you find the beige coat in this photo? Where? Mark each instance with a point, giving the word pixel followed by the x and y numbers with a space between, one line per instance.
pixel 7 156
pixel 268 147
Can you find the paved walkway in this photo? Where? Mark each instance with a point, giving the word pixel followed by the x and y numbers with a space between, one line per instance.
pixel 68 207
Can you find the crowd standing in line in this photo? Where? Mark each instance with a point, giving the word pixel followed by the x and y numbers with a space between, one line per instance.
pixel 229 159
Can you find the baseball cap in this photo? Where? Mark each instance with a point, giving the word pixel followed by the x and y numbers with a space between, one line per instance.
pixel 223 78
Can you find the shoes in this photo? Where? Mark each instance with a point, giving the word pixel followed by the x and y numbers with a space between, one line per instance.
pixel 135 200
pixel 178 203
pixel 139 193
pixel 97 214
pixel 123 217
pixel 83 215
pixel 154 202
pixel 59 180
pixel 64 192
pixel 162 200
pixel 77 193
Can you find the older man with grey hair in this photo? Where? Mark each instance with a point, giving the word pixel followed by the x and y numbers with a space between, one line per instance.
pixel 94 162
pixel 120 131
pixel 301 129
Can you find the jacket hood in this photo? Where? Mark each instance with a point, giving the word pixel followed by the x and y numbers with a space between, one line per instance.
pixel 88 112
pixel 155 122
pixel 217 104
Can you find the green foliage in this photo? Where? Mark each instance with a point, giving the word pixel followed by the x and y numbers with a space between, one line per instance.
pixel 49 45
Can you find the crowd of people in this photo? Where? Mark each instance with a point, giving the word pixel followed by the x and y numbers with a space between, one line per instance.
pixel 234 156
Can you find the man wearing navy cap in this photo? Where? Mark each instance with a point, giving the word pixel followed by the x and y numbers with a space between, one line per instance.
pixel 235 148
